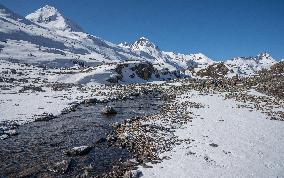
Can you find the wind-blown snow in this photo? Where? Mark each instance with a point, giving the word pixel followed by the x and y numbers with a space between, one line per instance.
pixel 247 144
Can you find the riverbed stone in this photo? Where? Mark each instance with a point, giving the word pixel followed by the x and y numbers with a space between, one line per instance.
pixel 108 110
pixel 91 101
pixel 77 151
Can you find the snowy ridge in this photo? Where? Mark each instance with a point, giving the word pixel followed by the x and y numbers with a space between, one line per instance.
pixel 49 17
pixel 245 66
pixel 47 38
pixel 144 44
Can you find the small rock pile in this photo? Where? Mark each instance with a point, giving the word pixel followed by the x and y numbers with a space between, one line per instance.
pixel 149 136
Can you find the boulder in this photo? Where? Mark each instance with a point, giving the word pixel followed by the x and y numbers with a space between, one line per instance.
pixel 44 117
pixel 109 111
pixel 133 174
pixel 91 101
pixel 78 151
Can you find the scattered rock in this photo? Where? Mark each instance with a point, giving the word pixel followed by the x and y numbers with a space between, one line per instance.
pixel 31 88
pixel 213 144
pixel 214 71
pixel 144 70
pixel 60 167
pixel 11 132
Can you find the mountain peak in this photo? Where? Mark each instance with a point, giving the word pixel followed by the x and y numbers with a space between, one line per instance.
pixel 143 38
pixel 49 8
pixel 49 17
pixel 200 57
pixel 264 56
pixel 143 43
pixel 124 44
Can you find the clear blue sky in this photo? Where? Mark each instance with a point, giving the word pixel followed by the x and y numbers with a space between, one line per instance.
pixel 221 29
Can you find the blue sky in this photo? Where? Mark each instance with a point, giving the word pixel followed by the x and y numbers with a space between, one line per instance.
pixel 221 29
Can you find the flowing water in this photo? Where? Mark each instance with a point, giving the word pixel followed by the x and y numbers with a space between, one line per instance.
pixel 41 144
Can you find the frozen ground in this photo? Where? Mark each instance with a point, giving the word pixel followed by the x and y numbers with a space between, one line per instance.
pixel 22 107
pixel 27 90
pixel 226 141
pixel 48 64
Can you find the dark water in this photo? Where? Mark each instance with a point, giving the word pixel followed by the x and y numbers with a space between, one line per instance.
pixel 41 144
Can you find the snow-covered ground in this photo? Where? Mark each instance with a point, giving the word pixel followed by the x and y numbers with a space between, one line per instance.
pixel 226 141
pixel 20 104
pixel 75 85
pixel 48 63
pixel 24 106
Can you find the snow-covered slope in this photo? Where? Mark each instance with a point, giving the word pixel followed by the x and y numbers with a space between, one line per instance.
pixel 244 66
pixel 161 59
pixel 190 61
pixel 48 38
pixel 49 17
pixel 57 40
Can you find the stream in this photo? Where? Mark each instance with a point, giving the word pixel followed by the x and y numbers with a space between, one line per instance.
pixel 39 145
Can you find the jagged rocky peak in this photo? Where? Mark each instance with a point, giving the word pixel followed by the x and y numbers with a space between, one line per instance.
pixel 51 18
pixel 259 57
pixel 124 44
pixel 143 43
pixel 201 57
pixel 264 56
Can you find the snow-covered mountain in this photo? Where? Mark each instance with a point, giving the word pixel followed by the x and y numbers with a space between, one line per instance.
pixel 170 60
pixel 145 45
pixel 38 41
pixel 244 66
pixel 48 38
pixel 49 17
